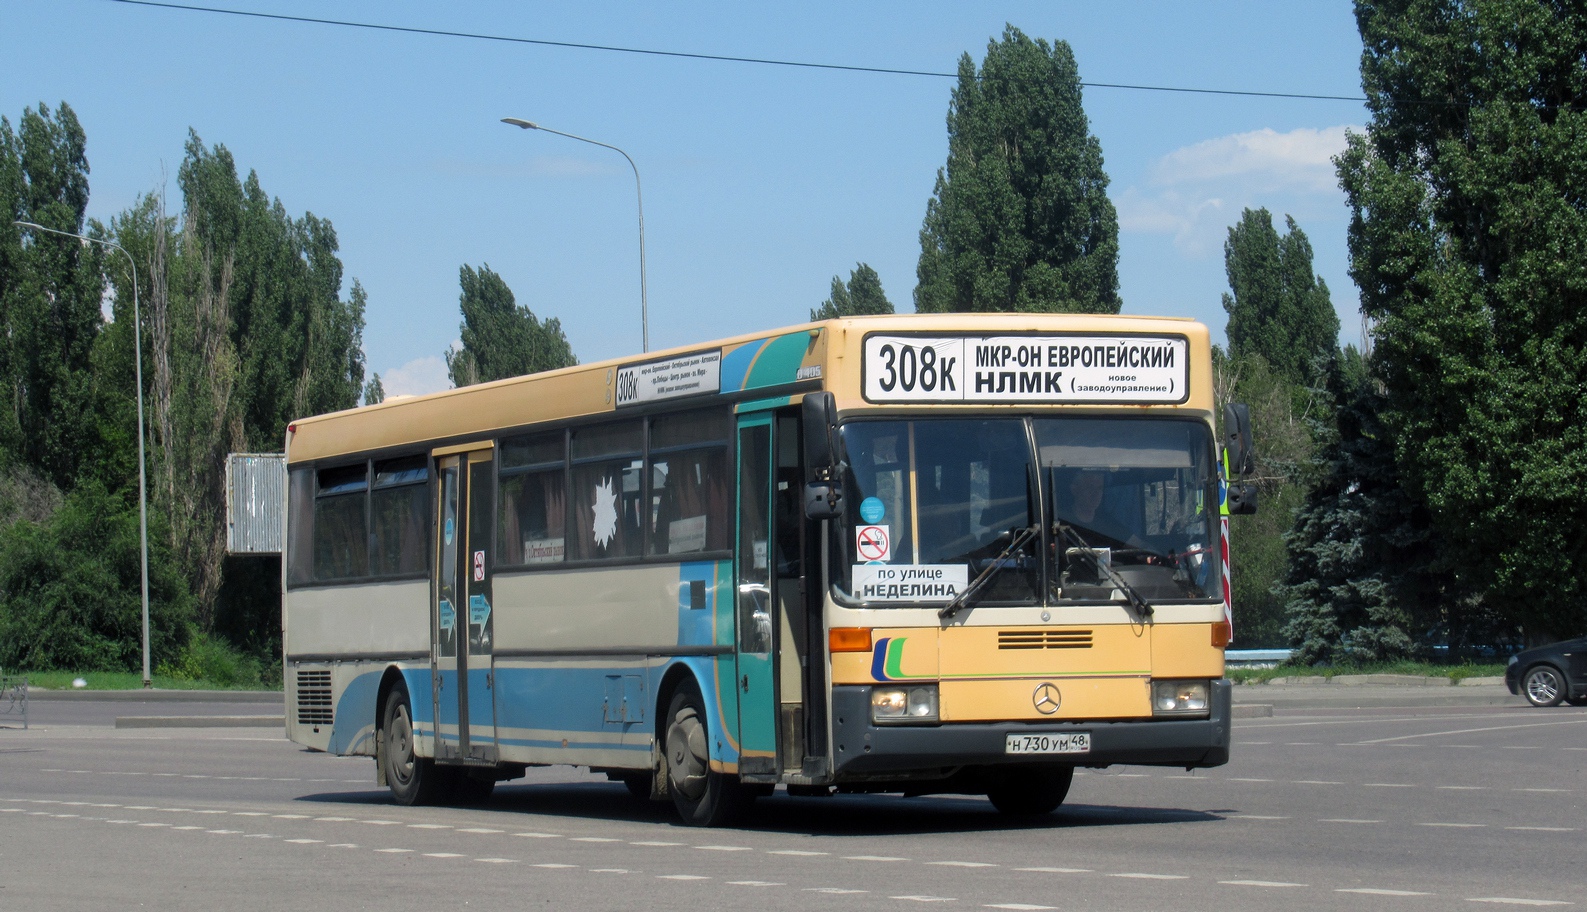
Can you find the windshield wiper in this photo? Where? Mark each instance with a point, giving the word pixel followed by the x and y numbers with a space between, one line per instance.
pixel 1018 541
pixel 1136 600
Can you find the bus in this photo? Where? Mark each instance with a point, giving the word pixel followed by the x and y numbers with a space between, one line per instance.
pixel 917 554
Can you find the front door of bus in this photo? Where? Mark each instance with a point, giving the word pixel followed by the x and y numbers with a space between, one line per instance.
pixel 756 601
pixel 461 622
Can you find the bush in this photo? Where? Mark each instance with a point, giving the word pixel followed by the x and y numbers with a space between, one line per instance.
pixel 212 660
pixel 69 589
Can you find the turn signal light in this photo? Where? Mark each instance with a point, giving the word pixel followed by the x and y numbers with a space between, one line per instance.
pixel 1222 634
pixel 849 639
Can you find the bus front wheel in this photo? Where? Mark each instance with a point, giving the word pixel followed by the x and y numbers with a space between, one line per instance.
pixel 702 797
pixel 413 779
pixel 1031 790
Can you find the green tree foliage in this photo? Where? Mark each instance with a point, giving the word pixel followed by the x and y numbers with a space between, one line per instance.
pixel 1468 194
pixel 1020 219
pixel 374 391
pixel 1361 585
pixel 1279 308
pixel 862 295
pixel 501 339
pixel 50 289
pixel 70 589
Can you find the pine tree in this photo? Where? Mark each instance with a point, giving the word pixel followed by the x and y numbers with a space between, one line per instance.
pixel 1020 219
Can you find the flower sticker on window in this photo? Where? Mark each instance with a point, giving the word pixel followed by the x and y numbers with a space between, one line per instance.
pixel 605 513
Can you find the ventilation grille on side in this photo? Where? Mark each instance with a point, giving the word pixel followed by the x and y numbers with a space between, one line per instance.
pixel 314 698
pixel 1044 639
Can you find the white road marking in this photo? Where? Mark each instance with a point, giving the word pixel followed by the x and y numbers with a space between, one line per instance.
pixel 498 860
pixel 420 826
pixel 873 858
pixel 146 824
pixel 1458 826
pixel 1247 779
pixel 1056 870
pixel 1015 906
pixel 334 819
pixel 681 877
pixel 1545 829
pixel 925 898
pixel 1346 820
pixel 224 832
pixel 1300 743
pixel 798 852
pixel 963 864
pixel 755 883
pixel 835 890
pixel 534 835
pixel 187 828
pixel 1512 901
pixel 130 807
pixel 723 848
pixel 382 822
pixel 1462 788
pixel 290 816
pixel 486 830
pixel 1372 891
pixel 442 855
pixel 610 871
pixel 342 845
pixel 649 843
pixel 1256 817
pixel 1388 785
pixel 1260 883
pixel 554 865
pixel 305 841
pixel 1314 782
pixel 1467 731
pixel 394 851
pixel 1138 876
pixel 574 839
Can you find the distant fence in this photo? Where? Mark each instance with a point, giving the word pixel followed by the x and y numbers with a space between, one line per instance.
pixel 14 698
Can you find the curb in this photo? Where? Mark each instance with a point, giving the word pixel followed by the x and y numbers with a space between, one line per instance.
pixel 160 696
pixel 201 722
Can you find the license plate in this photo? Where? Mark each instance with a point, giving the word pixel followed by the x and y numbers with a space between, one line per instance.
pixel 1068 743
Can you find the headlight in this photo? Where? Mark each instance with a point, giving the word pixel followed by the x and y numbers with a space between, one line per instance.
pixel 1179 698
pixel 904 704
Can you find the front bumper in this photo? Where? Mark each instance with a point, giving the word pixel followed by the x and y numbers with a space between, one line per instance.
pixel 861 748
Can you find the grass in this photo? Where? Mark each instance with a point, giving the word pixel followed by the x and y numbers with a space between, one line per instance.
pixel 1455 673
pixel 114 680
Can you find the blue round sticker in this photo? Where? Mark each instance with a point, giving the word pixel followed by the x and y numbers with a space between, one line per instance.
pixel 872 510
pixel 449 530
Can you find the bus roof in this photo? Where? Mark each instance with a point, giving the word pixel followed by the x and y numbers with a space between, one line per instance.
pixel 824 354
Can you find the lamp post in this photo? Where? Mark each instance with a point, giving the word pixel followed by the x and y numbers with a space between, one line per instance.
pixel 644 306
pixel 143 484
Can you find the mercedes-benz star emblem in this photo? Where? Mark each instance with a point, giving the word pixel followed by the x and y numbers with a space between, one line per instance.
pixel 1046 698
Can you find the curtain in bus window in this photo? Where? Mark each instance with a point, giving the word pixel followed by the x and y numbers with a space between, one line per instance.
pixel 607 487
pixel 399 513
pixel 533 517
pixel 689 499
pixel 341 536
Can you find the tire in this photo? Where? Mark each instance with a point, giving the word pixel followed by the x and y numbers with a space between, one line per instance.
pixel 638 785
pixel 702 797
pixel 1543 685
pixel 1578 700
pixel 467 789
pixel 412 779
pixel 1030 791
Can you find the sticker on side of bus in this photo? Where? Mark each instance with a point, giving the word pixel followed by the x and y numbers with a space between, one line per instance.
pixel 685 375
pixel 909 582
pixel 1034 368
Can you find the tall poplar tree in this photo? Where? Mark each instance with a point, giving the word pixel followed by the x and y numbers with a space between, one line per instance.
pixel 500 338
pixel 1020 219
pixel 1278 307
pixel 1468 236
pixel 861 295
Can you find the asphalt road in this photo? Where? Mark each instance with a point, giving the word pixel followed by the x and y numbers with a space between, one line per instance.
pixel 1388 809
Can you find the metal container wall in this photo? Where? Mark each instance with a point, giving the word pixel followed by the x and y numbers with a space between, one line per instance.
pixel 256 502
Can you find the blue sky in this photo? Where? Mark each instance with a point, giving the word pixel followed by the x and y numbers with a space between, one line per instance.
pixel 760 183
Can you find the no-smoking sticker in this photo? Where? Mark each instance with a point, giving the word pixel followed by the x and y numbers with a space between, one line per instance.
pixel 872 543
pixel 479 566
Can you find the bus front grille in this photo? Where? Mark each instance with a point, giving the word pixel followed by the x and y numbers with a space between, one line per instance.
pixel 314 698
pixel 1044 639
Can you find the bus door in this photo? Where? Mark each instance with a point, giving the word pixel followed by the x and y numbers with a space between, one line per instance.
pixel 756 602
pixel 461 621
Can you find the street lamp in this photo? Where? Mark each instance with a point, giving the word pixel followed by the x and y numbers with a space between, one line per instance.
pixel 644 306
pixel 143 483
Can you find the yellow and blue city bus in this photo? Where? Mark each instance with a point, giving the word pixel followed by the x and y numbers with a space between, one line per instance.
pixel 920 554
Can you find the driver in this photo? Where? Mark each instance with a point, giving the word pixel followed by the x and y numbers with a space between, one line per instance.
pixel 1082 508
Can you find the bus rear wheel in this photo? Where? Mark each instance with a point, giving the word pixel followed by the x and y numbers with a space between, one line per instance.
pixel 1030 791
pixel 702 797
pixel 412 779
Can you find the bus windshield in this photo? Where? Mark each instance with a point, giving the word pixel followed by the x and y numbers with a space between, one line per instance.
pixel 940 500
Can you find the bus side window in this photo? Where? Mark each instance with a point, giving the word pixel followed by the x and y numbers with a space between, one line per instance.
pixel 341 534
pixel 690 508
pixel 400 512
pixel 606 491
pixel 300 556
pixel 533 500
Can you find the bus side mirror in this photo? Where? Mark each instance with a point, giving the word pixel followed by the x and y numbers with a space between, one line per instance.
pixel 823 500
pixel 1242 499
pixel 819 411
pixel 1237 441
